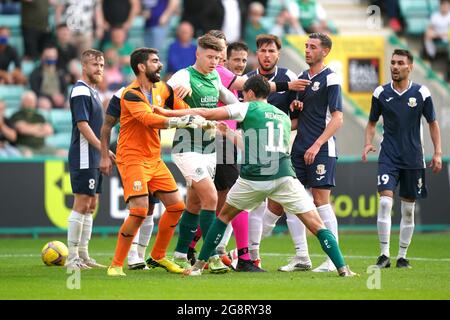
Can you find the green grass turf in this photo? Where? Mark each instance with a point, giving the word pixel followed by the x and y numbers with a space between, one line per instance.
pixel 24 276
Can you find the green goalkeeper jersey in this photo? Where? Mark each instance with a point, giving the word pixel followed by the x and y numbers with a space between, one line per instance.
pixel 266 132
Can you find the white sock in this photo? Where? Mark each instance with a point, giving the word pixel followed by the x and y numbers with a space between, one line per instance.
pixel 180 255
pixel 85 236
pixel 384 224
pixel 298 234
pixel 226 238
pixel 145 233
pixel 406 228
pixel 329 219
pixel 255 227
pixel 269 221
pixel 74 230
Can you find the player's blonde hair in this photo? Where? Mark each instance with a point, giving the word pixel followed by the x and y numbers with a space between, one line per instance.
pixel 208 41
pixel 90 53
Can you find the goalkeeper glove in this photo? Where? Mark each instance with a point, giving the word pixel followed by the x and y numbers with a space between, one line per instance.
pixel 188 121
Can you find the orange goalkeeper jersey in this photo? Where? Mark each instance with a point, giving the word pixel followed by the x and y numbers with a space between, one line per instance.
pixel 139 134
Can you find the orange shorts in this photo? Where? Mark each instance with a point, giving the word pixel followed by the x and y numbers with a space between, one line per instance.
pixel 141 178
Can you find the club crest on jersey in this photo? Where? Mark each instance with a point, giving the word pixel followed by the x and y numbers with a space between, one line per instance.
pixel 412 102
pixel 137 186
pixel 315 86
pixel 320 170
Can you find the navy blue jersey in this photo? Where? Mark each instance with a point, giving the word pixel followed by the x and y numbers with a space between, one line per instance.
pixel 402 112
pixel 85 105
pixel 320 100
pixel 114 104
pixel 281 100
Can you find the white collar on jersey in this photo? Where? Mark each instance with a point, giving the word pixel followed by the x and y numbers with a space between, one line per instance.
pixel 401 93
pixel 309 77
pixel 274 75
pixel 95 91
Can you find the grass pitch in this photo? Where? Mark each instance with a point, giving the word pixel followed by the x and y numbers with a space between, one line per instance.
pixel 24 276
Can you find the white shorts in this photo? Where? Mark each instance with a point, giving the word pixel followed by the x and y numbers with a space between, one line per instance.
pixel 195 166
pixel 287 191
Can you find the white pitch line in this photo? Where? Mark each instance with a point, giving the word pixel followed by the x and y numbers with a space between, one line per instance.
pixel 272 254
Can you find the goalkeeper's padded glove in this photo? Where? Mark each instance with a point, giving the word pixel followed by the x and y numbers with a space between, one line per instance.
pixel 188 121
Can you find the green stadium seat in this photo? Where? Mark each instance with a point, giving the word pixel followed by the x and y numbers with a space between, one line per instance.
pixel 59 140
pixel 12 21
pixel 28 67
pixel 136 32
pixel 414 7
pixel 61 120
pixel 416 15
pixel 416 26
pixel 11 94
pixel 433 5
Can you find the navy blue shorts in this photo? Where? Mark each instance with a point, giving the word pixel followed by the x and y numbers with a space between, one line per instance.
pixel 321 174
pixel 412 181
pixel 86 181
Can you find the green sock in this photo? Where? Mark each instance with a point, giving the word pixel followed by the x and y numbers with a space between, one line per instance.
pixel 207 217
pixel 187 229
pixel 213 238
pixel 331 247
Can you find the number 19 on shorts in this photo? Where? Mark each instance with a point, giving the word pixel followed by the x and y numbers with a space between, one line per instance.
pixel 383 179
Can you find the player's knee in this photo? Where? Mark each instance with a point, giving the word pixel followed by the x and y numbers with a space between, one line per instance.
pixel 384 212
pixel 176 208
pixel 209 201
pixel 408 212
pixel 139 212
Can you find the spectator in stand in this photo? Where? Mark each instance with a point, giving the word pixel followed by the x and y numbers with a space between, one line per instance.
pixel 286 23
pixel 9 54
pixel 124 49
pixel 8 135
pixel 181 53
pixel 9 7
pixel 312 16
pixel 118 14
pixel 392 9
pixel 66 50
pixel 48 80
pixel 79 15
pixel 437 31
pixel 255 25
pixel 32 128
pixel 113 76
pixel 157 15
pixel 234 19
pixel 35 28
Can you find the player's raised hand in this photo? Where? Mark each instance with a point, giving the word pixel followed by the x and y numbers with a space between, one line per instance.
pixel 436 163
pixel 298 84
pixel 367 148
pixel 181 91
pixel 296 105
